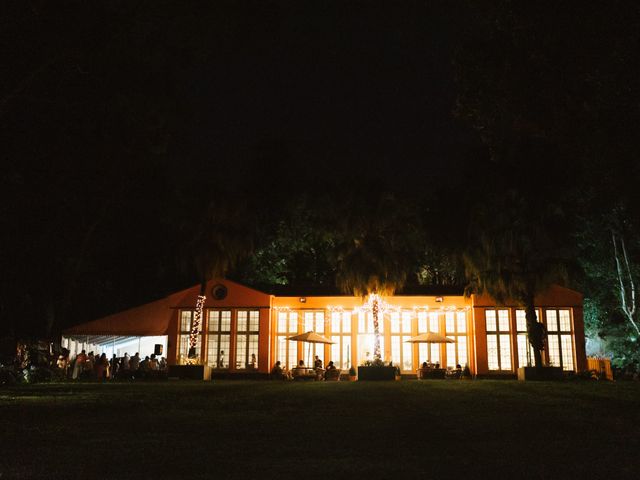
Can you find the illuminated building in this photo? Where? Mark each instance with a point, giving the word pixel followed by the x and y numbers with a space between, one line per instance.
pixel 241 324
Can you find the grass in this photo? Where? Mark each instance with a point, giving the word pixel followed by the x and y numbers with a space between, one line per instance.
pixel 234 429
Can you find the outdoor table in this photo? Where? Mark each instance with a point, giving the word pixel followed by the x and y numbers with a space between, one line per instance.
pixel 303 373
pixel 332 375
pixel 432 373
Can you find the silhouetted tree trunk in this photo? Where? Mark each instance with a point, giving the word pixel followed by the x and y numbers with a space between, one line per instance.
pixel 627 285
pixel 535 331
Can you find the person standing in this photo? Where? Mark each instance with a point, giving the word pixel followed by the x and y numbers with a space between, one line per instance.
pixel 89 365
pixel 153 363
pixel 78 367
pixel 102 367
pixel 125 367
pixel 63 363
pixel 162 365
pixel 134 364
pixel 113 367
pixel 143 370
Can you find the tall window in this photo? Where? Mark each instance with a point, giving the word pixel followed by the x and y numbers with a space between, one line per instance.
pixel 456 328
pixel 498 339
pixel 219 338
pixel 286 350
pixel 526 356
pixel 366 336
pixel 314 322
pixel 428 352
pixel 247 335
pixel 341 338
pixel 559 338
pixel 400 330
pixel 186 319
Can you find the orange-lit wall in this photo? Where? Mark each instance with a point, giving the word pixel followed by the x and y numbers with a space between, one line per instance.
pixel 554 297
pixel 351 302
pixel 241 297
pixel 238 297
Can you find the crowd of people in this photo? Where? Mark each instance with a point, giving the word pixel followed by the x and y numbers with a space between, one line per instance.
pixel 40 362
pixel 92 366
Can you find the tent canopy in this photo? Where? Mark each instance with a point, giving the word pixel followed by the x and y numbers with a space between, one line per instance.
pixel 151 319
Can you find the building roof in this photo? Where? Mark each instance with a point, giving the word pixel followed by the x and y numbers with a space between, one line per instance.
pixel 332 291
pixel 149 319
pixel 152 319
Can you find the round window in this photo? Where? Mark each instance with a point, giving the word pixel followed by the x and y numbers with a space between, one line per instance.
pixel 219 292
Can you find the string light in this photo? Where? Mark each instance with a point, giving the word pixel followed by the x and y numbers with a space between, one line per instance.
pixel 426 308
pixel 383 308
pixel 282 309
pixel 376 305
pixel 197 319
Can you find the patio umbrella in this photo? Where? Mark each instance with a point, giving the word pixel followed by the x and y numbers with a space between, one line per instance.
pixel 310 337
pixel 430 338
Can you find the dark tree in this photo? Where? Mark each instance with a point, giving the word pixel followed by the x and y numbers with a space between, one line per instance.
pixel 515 252
pixel 379 241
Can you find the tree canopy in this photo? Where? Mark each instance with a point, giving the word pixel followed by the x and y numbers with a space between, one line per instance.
pixel 356 147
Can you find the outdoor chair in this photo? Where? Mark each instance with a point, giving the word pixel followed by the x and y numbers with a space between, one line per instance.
pixel 454 374
pixel 332 375
pixel 277 375
pixel 431 373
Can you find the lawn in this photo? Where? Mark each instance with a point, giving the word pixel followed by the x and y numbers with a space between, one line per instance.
pixel 234 429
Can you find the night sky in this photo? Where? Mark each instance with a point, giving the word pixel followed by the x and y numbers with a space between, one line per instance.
pixel 115 115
